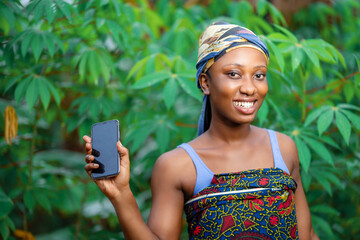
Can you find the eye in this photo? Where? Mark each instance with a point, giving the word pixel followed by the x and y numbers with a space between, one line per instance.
pixel 233 74
pixel 259 76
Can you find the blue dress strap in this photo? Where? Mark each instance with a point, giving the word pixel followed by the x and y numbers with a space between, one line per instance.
pixel 203 174
pixel 278 160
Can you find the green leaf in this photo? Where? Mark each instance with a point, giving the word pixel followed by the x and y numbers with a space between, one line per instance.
pixel 43 201
pixel 170 92
pixel 304 154
pixel 189 87
pixel 314 59
pixel 29 200
pixel 49 44
pixel 348 106
pixel 38 10
pixel 13 81
pixel 44 93
pixel 325 120
pixel 95 109
pixel 54 92
pixel 322 224
pixel 278 37
pixel 50 11
pixel 4 25
pixel 37 46
pixel 314 114
pixel 151 79
pixel 349 92
pixel 93 66
pixel 323 181
pixel 261 7
pixel 141 134
pixel 10 223
pixel 328 140
pixel 21 88
pixel 306 180
pixel 64 8
pixel 296 57
pixel 343 125
pixel 355 119
pixel 32 93
pixel 278 56
pixel 4 230
pixel 138 66
pixel 279 114
pixel 333 178
pixel 322 208
pixel 58 42
pixel 320 149
pixel 8 14
pixel 263 112
pixel 82 64
pixel 291 36
pixel 162 137
pixel 26 42
pixel 104 67
pixel 117 7
pixel 5 203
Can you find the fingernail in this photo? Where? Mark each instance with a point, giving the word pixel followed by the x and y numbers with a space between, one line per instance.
pixel 96 165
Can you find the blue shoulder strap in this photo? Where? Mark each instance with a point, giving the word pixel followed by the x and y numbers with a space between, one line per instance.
pixel 278 160
pixel 203 174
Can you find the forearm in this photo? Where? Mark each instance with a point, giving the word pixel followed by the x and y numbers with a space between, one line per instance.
pixel 313 235
pixel 130 219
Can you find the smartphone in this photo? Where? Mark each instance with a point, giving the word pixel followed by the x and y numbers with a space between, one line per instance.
pixel 104 136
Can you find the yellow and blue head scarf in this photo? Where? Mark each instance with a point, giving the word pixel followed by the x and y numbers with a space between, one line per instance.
pixel 218 39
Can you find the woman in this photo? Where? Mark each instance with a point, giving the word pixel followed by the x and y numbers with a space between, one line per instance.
pixel 234 180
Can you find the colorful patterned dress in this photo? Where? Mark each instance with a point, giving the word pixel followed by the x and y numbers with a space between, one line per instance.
pixel 254 204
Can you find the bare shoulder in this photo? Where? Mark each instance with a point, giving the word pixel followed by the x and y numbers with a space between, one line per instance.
pixel 288 151
pixel 171 160
pixel 175 169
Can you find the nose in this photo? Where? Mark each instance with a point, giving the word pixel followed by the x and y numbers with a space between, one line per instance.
pixel 247 86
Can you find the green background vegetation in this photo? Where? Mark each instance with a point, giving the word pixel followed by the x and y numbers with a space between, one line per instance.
pixel 65 66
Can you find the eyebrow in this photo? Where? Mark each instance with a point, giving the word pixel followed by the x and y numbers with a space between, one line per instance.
pixel 240 65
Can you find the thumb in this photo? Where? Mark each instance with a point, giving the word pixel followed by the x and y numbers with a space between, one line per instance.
pixel 124 155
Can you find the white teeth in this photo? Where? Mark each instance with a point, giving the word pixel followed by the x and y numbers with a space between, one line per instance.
pixel 244 104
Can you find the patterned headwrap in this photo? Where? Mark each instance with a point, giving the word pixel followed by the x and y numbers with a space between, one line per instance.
pixel 218 39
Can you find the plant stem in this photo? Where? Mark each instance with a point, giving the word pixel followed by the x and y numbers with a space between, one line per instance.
pixel 80 215
pixel 30 165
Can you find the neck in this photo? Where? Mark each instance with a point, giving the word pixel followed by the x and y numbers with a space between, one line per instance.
pixel 229 134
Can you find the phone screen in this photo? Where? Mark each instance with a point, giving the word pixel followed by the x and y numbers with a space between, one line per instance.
pixel 104 136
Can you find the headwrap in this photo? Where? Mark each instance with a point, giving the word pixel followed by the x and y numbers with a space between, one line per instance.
pixel 218 39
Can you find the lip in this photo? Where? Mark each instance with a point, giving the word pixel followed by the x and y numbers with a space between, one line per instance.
pixel 246 111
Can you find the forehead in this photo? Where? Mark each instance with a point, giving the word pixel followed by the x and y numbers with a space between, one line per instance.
pixel 245 56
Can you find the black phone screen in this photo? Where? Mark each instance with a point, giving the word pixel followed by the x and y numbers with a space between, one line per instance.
pixel 104 136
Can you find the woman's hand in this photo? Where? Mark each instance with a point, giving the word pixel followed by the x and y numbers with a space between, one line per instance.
pixel 112 187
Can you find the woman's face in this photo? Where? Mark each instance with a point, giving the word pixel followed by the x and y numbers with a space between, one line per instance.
pixel 236 84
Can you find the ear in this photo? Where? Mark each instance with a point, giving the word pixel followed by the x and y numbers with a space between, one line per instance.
pixel 204 82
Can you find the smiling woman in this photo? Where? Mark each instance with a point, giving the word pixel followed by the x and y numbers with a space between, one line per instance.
pixel 234 180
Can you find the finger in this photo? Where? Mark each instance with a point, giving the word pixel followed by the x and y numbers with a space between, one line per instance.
pixel 87 139
pixel 90 166
pixel 124 155
pixel 89 158
pixel 88 148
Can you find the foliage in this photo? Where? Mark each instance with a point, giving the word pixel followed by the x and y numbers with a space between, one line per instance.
pixel 68 65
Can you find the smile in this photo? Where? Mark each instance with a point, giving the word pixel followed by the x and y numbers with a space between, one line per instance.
pixel 244 104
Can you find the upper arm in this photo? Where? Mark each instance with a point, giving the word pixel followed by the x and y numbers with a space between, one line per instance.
pixel 165 218
pixel 290 154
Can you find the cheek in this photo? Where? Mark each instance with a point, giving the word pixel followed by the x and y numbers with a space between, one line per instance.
pixel 263 88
